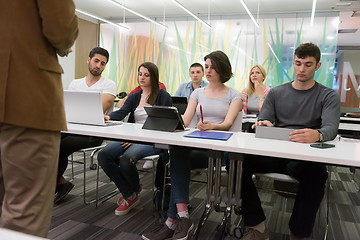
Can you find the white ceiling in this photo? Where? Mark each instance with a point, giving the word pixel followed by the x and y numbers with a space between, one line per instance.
pixel 161 10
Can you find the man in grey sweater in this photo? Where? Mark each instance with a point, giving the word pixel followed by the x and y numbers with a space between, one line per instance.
pixel 313 110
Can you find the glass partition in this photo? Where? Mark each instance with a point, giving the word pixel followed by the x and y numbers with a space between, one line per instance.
pixel 184 42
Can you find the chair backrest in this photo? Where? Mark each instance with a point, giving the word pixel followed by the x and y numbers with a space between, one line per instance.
pixel 278 177
pixel 180 103
pixel 126 118
pixel 284 185
pixel 237 124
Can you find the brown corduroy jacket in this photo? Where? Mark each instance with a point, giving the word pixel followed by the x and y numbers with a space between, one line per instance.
pixel 33 32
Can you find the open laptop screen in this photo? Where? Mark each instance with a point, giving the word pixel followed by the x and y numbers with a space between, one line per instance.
pixel 85 107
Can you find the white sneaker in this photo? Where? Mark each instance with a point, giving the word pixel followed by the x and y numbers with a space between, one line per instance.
pixel 148 164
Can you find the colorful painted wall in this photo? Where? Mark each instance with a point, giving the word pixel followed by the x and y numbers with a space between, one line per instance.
pixel 185 42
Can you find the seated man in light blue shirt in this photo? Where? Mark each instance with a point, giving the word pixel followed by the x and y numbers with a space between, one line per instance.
pixel 196 72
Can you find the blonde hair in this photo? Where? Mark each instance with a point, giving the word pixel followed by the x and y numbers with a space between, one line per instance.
pixel 251 88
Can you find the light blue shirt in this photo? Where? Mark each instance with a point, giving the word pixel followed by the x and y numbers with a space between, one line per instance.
pixel 186 89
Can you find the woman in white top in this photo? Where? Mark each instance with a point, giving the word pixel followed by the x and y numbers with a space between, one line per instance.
pixel 118 159
pixel 220 106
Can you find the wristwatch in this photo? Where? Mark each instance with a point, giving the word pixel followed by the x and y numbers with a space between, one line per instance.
pixel 321 137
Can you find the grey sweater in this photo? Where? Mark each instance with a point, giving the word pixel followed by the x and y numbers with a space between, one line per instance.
pixel 316 108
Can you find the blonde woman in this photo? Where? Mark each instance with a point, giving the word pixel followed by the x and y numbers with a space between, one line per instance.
pixel 254 95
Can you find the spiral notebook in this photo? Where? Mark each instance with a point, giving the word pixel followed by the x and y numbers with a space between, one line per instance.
pixel 223 136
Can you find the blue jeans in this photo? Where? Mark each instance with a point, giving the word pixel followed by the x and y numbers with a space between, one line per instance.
pixel 119 164
pixel 182 160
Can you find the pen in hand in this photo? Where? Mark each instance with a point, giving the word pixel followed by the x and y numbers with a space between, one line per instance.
pixel 201 114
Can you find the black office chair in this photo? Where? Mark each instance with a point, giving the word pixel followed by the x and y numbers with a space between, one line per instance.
pixel 121 95
pixel 180 103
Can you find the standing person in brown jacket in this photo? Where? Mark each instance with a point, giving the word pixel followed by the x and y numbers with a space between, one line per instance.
pixel 31 108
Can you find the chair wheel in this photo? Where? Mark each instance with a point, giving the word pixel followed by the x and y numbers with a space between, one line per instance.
pixel 93 166
pixel 238 233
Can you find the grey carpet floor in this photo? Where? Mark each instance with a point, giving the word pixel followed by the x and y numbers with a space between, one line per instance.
pixel 74 220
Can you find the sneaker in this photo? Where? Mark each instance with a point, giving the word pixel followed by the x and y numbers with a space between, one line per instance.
pixel 160 232
pixel 253 234
pixel 121 198
pixel 126 205
pixel 182 228
pixel 62 191
pixel 148 164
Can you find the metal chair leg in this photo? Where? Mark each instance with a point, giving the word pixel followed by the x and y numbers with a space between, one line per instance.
pixel 210 196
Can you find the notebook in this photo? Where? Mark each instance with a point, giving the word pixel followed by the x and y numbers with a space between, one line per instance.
pixel 223 136
pixel 85 107
pixel 180 103
pixel 163 118
pixel 273 132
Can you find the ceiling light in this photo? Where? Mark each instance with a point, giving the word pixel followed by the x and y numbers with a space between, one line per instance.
pixel 243 52
pixel 343 4
pixel 138 14
pixel 102 19
pixel 272 50
pixel 248 11
pixel 193 15
pixel 313 13
pixel 351 30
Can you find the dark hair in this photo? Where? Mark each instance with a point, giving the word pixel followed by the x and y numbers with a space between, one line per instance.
pixel 154 79
pixel 221 64
pixel 308 50
pixel 101 51
pixel 197 65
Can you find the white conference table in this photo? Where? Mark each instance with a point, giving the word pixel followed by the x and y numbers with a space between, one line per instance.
pixel 350 127
pixel 134 132
pixel 349 120
pixel 344 154
pixel 10 234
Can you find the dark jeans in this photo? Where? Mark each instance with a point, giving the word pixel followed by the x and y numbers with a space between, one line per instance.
pixel 182 160
pixel 312 179
pixel 70 144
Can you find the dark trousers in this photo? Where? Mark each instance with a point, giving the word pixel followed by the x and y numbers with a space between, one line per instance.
pixel 70 144
pixel 312 179
pixel 182 160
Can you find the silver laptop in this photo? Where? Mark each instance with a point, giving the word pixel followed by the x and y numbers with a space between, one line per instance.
pixel 85 107
pixel 273 132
